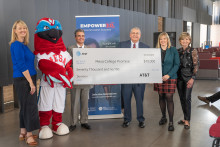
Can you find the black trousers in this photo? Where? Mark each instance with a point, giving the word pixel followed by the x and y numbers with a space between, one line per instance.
pixel 29 117
pixel 185 98
pixel 214 97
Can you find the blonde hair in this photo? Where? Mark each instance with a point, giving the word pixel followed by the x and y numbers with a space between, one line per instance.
pixel 14 37
pixel 168 40
pixel 184 35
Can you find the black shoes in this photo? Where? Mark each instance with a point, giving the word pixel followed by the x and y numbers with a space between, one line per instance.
pixel 203 99
pixel 141 124
pixel 187 127
pixel 162 121
pixel 181 122
pixel 71 128
pixel 86 126
pixel 171 127
pixel 125 124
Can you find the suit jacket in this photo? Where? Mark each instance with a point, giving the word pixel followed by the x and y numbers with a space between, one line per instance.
pixel 127 44
pixel 70 51
pixel 171 63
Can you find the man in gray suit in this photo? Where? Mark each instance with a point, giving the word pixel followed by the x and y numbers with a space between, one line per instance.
pixel 79 93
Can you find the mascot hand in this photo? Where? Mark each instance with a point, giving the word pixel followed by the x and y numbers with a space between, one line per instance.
pixel 54 73
pixel 69 70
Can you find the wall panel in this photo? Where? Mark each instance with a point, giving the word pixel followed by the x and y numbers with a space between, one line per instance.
pixel 111 3
pixel 122 4
pixel 163 7
pixel 104 2
pixel 116 3
pixel 189 14
pixel 131 5
pixel 126 5
pixel 135 5
pixel 196 35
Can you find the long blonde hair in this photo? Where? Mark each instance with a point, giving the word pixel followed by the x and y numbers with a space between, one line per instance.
pixel 14 37
pixel 168 40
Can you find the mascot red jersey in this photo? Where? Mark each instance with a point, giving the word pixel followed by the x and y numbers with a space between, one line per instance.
pixel 54 62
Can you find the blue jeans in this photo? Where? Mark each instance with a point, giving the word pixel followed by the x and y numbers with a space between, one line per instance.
pixel 138 90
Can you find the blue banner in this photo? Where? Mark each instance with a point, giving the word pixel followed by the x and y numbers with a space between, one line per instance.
pixel 102 32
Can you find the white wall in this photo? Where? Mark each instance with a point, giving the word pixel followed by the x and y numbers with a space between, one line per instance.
pixel 203 34
pixel 215 32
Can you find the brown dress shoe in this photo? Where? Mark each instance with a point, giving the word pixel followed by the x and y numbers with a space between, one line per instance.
pixel 203 99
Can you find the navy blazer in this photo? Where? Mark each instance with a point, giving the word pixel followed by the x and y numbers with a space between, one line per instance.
pixel 127 44
pixel 171 63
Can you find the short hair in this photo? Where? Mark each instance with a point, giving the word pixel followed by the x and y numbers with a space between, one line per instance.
pixel 137 28
pixel 78 30
pixel 90 41
pixel 184 35
pixel 168 40
pixel 14 37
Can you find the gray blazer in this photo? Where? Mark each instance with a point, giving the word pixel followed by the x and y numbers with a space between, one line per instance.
pixel 70 51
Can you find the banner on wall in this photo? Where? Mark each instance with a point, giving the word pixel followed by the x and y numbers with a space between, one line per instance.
pixel 102 31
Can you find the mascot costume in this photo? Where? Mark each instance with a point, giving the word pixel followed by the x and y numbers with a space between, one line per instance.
pixel 54 62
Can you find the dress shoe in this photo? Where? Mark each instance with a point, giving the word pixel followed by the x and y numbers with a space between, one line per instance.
pixel 71 128
pixel 86 126
pixel 162 121
pixel 141 124
pixel 171 127
pixel 203 99
pixel 125 124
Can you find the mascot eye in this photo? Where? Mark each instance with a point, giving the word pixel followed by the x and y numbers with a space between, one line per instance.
pixel 57 27
pixel 46 28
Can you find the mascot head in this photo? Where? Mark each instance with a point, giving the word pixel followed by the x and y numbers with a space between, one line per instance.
pixel 47 37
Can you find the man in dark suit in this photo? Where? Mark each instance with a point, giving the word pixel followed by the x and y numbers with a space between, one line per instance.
pixel 79 93
pixel 137 89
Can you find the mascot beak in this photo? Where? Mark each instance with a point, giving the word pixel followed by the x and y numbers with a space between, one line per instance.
pixel 52 35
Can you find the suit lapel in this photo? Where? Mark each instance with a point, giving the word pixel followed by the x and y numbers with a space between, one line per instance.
pixel 140 45
pixel 129 44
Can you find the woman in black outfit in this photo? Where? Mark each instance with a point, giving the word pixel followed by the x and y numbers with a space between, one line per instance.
pixel 186 76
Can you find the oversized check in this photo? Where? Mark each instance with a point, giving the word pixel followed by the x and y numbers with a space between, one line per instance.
pixel 116 65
